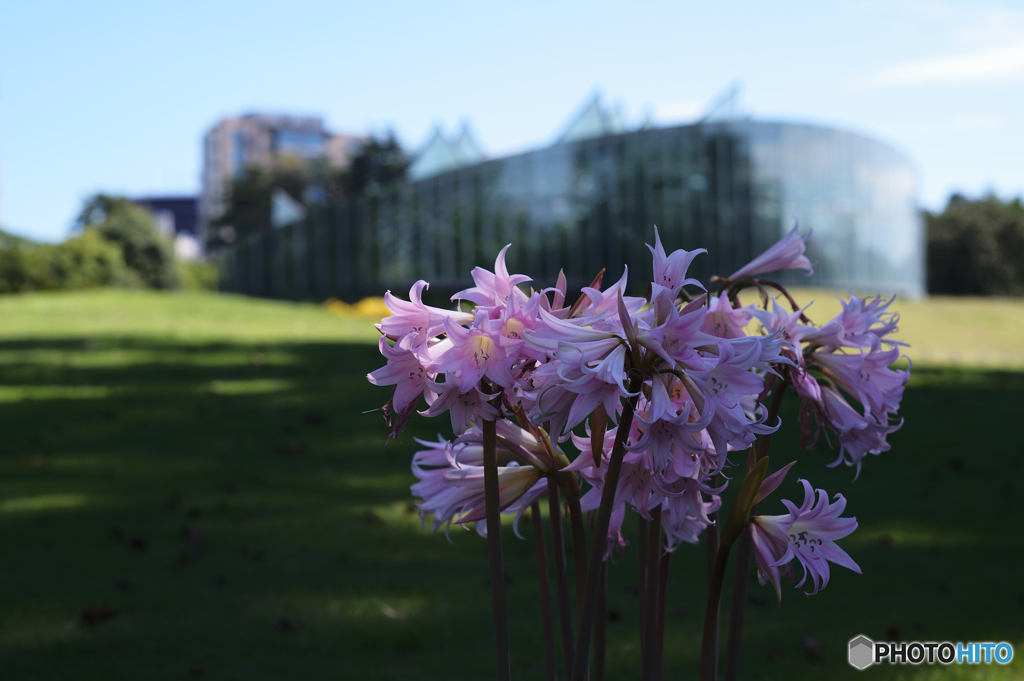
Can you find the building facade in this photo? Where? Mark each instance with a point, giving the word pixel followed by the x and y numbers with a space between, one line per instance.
pixel 591 201
pixel 234 144
pixel 178 219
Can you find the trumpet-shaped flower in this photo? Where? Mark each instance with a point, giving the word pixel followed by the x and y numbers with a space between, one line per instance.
pixel 414 317
pixel 493 289
pixel 725 321
pixel 806 534
pixel 670 269
pixel 676 333
pixel 477 352
pixel 785 254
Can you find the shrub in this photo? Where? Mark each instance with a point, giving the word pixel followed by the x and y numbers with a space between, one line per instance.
pixel 132 228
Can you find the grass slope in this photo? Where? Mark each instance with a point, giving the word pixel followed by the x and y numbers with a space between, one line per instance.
pixel 205 469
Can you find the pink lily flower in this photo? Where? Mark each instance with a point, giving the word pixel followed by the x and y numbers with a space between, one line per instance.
pixel 785 254
pixel 787 325
pixel 806 534
pixel 403 370
pixel 493 289
pixel 670 270
pixel 868 376
pixel 477 352
pixel 676 332
pixel 413 317
pixel 725 321
pixel 463 408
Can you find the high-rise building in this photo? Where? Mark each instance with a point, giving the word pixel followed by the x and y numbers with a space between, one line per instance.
pixel 234 144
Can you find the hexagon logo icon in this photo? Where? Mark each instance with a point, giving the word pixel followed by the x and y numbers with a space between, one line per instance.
pixel 862 652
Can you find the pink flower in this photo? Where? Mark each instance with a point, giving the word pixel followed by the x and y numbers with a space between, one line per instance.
pixel 409 377
pixel 605 304
pixel 413 317
pixel 451 482
pixel 670 270
pixel 676 333
pixel 403 370
pixel 867 376
pixel 785 254
pixel 806 534
pixel 725 321
pixel 493 289
pixel 477 352
pixel 726 384
pixel 864 320
pixel 463 408
pixel 669 427
pixel 786 324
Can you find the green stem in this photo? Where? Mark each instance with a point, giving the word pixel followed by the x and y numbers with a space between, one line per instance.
pixel 545 591
pixel 579 549
pixel 641 578
pixel 604 514
pixel 653 583
pixel 599 626
pixel 666 559
pixel 709 644
pixel 561 579
pixel 712 545
pixel 494 551
pixel 744 558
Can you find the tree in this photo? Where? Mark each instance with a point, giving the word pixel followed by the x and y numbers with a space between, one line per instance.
pixel 132 228
pixel 378 163
pixel 976 247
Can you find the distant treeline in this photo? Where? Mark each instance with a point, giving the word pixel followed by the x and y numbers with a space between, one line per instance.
pixel 115 243
pixel 976 247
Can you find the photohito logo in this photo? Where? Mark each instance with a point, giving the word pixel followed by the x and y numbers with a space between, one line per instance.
pixel 864 652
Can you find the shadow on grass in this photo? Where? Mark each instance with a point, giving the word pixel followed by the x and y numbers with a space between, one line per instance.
pixel 239 516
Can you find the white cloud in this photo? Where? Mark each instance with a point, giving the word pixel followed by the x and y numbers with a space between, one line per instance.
pixel 991 65
pixel 981 46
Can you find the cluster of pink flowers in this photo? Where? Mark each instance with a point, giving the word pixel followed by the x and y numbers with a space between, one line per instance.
pixel 551 374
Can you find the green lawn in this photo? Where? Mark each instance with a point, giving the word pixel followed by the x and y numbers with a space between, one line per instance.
pixel 201 467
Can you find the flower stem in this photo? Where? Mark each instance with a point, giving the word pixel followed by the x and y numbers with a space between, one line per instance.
pixel 494 550
pixel 652 584
pixel 712 545
pixel 744 557
pixel 599 626
pixel 545 591
pixel 709 644
pixel 561 580
pixel 604 514
pixel 666 559
pixel 641 578
pixel 579 548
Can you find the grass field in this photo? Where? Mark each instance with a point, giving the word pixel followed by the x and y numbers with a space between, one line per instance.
pixel 189 488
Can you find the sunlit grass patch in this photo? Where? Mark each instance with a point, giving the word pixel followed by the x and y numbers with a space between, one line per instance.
pixel 902 533
pixel 42 502
pixel 17 393
pixel 244 387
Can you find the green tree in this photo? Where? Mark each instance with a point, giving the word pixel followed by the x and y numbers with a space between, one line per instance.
pixel 380 161
pixel 132 228
pixel 976 247
pixel 249 198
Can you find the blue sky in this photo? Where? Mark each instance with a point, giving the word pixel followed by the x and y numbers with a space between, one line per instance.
pixel 115 96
